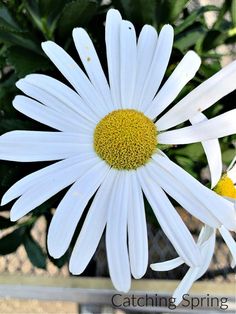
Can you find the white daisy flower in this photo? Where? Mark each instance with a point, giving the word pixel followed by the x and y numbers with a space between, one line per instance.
pixel 107 143
pixel 207 237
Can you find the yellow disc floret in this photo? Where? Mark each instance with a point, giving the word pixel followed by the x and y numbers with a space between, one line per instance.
pixel 225 187
pixel 125 139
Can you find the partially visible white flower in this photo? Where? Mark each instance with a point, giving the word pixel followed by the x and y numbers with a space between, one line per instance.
pixel 225 186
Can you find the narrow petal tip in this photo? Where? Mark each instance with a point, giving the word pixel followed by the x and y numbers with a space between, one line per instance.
pixel 74 268
pixel 52 250
pixel 13 216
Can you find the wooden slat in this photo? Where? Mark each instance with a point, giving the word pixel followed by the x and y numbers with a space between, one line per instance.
pixel 164 286
pixel 87 290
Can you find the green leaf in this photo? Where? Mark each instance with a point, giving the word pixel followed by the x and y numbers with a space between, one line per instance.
pixel 168 11
pixel 228 155
pixel 188 39
pixel 5 223
pixel 192 151
pixel 34 252
pixel 12 241
pixel 25 61
pixel 187 164
pixel 19 40
pixel 140 11
pixel 76 13
pixel 196 15
pixel 7 23
pixel 7 125
pixel 213 39
pixel 233 12
pixel 208 70
pixel 52 8
pixel 224 8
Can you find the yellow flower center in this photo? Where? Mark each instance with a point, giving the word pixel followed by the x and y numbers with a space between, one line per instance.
pixel 225 187
pixel 125 139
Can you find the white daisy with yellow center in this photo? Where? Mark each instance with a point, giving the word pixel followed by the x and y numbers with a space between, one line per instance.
pixel 107 145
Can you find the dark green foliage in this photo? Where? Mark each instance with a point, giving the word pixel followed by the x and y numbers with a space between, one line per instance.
pixel 11 241
pixel 34 251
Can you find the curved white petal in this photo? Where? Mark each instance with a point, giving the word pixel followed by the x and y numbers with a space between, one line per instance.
pixel 168 265
pixel 93 226
pixel 185 284
pixel 57 96
pixel 194 273
pixel 137 229
pixel 182 74
pixel 70 209
pixel 212 151
pixel 112 36
pixel 46 187
pixel 201 98
pixel 116 233
pixel 146 46
pixel 158 66
pixel 229 240
pixel 169 219
pixel 182 190
pixel 128 63
pixel 217 127
pixel 92 65
pixel 27 182
pixel 28 146
pixel 207 246
pixel 47 116
pixel 215 210
pixel 70 69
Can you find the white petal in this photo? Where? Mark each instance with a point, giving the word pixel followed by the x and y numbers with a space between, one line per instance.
pixel 92 65
pixel 116 233
pixel 185 284
pixel 220 126
pixel 182 74
pixel 47 116
pixel 24 184
pixel 194 273
pixel 229 240
pixel 207 247
pixel 205 234
pixel 137 229
pixel 201 98
pixel 158 66
pixel 168 265
pixel 215 210
pixel 46 187
pixel 112 35
pixel 212 151
pixel 128 63
pixel 70 209
pixel 169 219
pixel 93 227
pixel 56 95
pixel 147 43
pixel 28 146
pixel 75 76
pixel 182 190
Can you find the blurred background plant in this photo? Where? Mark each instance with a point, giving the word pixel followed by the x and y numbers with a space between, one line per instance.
pixel 24 24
